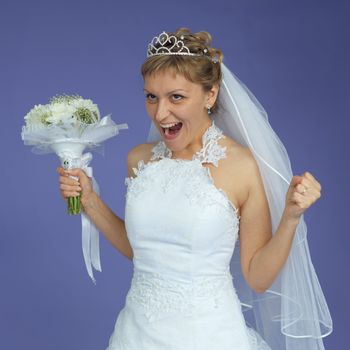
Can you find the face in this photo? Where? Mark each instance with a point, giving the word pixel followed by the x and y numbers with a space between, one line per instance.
pixel 171 98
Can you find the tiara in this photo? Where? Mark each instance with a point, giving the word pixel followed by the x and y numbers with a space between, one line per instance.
pixel 158 46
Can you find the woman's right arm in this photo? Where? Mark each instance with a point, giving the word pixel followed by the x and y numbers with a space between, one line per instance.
pixel 108 223
pixel 100 214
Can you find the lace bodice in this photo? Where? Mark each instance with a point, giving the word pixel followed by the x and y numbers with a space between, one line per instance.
pixel 211 152
pixel 182 228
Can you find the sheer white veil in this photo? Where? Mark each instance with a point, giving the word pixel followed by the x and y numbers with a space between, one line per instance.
pixel 292 314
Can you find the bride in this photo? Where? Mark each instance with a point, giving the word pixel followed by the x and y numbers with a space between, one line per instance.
pixel 213 216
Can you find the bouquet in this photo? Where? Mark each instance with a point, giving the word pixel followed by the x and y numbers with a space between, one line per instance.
pixel 68 125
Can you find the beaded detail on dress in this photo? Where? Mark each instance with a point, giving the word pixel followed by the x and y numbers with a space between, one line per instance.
pixel 159 296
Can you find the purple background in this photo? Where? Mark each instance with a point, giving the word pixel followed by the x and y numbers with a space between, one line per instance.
pixel 294 56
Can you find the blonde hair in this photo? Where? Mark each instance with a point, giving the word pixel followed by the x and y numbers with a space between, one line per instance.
pixel 199 70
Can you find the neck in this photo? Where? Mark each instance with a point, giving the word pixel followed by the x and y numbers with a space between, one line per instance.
pixel 196 145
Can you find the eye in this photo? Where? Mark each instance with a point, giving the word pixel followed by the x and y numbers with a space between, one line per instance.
pixel 177 99
pixel 150 97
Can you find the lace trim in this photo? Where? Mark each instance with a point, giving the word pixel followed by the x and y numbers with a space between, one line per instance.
pixel 159 296
pixel 140 166
pixel 160 151
pixel 211 151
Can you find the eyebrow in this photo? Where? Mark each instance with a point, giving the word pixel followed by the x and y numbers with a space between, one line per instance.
pixel 170 92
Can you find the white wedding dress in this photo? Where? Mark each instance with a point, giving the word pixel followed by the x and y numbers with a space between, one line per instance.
pixel 183 231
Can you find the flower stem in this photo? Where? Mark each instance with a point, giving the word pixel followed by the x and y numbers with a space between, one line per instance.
pixel 74 207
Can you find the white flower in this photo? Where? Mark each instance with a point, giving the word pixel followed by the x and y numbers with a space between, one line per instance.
pixel 88 104
pixel 60 112
pixel 37 115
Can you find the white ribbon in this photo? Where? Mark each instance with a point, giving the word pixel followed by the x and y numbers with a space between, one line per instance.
pixel 90 234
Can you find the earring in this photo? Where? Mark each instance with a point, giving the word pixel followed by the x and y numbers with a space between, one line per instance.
pixel 209 111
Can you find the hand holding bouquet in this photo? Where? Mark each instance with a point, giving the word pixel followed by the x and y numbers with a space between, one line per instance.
pixel 69 187
pixel 68 125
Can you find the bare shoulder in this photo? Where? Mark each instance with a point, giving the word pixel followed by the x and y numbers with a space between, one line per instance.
pixel 235 149
pixel 239 158
pixel 240 169
pixel 142 151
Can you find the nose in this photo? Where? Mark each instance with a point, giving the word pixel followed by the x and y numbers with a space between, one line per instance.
pixel 162 110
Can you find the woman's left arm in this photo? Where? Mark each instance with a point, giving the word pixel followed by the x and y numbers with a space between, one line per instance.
pixel 263 254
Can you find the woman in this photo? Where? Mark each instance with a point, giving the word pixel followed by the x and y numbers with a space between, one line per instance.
pixel 192 195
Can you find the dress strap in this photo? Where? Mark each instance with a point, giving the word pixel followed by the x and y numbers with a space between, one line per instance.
pixel 160 150
pixel 211 151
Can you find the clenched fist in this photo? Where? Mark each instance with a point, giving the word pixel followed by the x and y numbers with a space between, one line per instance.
pixel 70 187
pixel 303 191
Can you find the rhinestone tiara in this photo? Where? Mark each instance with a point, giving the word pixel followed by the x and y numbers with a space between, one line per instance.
pixel 160 45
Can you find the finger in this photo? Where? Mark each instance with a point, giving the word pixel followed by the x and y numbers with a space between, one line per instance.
pixel 310 193
pixel 310 177
pixel 307 183
pixel 69 181
pixel 313 194
pixel 304 200
pixel 61 171
pixel 76 172
pixel 307 187
pixel 299 199
pixel 64 187
pixel 64 174
pixel 295 180
pixel 300 188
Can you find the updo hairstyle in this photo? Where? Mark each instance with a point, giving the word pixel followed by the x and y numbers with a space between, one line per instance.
pixel 197 69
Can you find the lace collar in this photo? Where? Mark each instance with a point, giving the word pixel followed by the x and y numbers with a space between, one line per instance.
pixel 211 151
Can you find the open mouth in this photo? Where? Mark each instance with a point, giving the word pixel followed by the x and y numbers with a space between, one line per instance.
pixel 172 131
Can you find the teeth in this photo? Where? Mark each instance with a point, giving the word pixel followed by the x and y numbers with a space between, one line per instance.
pixel 168 125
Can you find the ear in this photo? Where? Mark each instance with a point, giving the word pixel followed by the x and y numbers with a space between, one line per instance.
pixel 212 95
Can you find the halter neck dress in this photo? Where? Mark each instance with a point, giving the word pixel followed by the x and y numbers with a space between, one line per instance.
pixel 183 231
